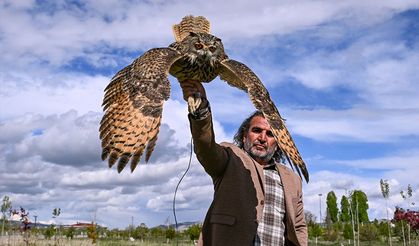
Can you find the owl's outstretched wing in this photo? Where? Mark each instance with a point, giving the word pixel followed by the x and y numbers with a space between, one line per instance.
pixel 133 105
pixel 239 75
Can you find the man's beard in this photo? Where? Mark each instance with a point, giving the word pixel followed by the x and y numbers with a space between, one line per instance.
pixel 265 156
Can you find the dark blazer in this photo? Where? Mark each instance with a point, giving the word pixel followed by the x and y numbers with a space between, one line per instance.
pixel 238 179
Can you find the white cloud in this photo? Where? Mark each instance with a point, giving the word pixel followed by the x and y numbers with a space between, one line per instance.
pixel 70 139
pixel 392 83
pixel 316 78
pixel 79 193
pixel 66 31
pixel 53 94
pixel 67 139
pixel 359 124
pixel 406 160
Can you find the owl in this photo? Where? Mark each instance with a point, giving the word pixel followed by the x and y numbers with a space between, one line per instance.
pixel 133 101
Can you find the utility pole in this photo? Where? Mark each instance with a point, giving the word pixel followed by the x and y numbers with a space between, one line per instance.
pixel 320 208
pixel 35 216
pixel 132 225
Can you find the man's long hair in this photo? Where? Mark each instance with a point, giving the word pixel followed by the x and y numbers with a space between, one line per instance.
pixel 244 129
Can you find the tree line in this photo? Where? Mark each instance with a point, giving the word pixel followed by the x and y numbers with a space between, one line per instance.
pixel 349 221
pixel 346 222
pixel 30 231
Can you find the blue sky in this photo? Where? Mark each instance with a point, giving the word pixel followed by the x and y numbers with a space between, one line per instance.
pixel 343 74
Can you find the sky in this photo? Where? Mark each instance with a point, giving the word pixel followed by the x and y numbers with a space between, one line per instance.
pixel 344 75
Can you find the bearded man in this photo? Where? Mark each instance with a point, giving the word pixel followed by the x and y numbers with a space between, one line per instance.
pixel 257 200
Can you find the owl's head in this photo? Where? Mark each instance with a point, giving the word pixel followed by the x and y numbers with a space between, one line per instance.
pixel 204 47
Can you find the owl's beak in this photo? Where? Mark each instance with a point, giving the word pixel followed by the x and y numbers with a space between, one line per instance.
pixel 208 53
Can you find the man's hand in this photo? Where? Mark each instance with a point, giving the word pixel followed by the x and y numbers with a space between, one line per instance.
pixel 193 92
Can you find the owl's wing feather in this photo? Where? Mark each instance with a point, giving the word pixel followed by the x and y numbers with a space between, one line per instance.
pixel 230 76
pixel 133 105
pixel 239 75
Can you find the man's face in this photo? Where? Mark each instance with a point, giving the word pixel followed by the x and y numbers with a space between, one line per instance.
pixel 259 141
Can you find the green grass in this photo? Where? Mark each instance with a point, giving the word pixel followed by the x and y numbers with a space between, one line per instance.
pixel 346 243
pixel 33 241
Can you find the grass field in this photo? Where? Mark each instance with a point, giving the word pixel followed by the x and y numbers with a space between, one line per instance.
pixel 18 240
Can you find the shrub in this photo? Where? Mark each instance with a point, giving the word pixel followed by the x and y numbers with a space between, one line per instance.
pixel 368 232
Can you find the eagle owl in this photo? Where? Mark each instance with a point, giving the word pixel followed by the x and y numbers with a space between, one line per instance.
pixel 133 101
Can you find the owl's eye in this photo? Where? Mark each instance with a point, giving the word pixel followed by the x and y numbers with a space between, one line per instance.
pixel 198 46
pixel 212 48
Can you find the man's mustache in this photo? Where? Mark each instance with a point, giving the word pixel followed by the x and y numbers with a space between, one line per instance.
pixel 264 145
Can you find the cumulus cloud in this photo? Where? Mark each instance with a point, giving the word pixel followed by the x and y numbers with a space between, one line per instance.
pixel 69 140
pixel 80 27
pixel 67 145
pixel 51 94
pixel 405 160
pixel 359 123
pixel 79 193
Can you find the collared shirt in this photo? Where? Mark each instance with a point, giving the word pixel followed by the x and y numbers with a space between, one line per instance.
pixel 271 228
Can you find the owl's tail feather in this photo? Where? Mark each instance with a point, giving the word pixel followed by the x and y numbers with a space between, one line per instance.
pixel 190 24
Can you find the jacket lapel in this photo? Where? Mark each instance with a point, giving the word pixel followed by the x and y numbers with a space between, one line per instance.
pixel 287 182
pixel 256 173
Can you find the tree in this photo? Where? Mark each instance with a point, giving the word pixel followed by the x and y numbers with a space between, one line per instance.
pixel 55 213
pixel 385 190
pixel 310 218
pixel 332 233
pixel 194 231
pixel 69 233
pixel 344 210
pixel 359 202
pixel 92 232
pixel 315 230
pixel 359 207
pixel 407 197
pixel 24 227
pixel 5 207
pixel 170 233
pixel 156 232
pixel 410 216
pixel 348 233
pixel 368 232
pixel 49 232
pixel 140 232
pixel 332 207
pixel 382 228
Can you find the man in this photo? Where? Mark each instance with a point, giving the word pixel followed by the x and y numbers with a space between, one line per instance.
pixel 257 201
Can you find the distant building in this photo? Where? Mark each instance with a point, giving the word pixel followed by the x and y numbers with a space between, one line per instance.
pixel 80 225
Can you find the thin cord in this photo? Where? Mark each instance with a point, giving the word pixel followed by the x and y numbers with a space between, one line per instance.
pixel 177 186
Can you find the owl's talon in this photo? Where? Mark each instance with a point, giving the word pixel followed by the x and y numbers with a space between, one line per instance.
pixel 193 104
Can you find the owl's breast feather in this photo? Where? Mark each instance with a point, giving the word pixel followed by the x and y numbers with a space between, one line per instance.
pixel 194 69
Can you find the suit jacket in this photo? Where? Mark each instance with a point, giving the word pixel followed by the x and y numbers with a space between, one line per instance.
pixel 238 179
